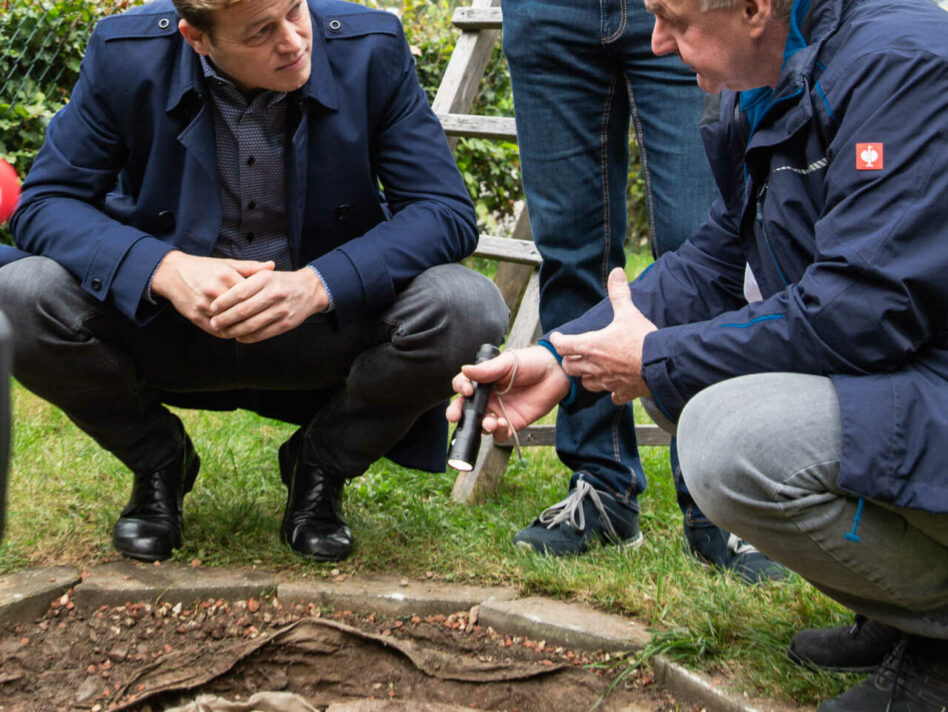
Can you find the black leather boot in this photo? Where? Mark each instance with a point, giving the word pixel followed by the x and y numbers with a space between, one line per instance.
pixel 312 523
pixel 150 525
pixel 859 647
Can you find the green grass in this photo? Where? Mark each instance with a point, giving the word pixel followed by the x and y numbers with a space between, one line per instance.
pixel 65 493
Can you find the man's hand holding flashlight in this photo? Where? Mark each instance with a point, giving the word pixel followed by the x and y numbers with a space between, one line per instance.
pixel 539 383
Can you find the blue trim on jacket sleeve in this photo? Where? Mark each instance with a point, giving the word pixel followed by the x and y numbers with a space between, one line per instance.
pixel 822 95
pixel 765 317
pixel 770 249
pixel 571 397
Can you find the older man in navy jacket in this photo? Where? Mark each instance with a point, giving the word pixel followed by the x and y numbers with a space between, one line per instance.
pixel 248 204
pixel 828 397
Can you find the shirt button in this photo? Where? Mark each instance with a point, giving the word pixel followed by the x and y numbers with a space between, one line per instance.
pixel 335 25
pixel 96 284
pixel 251 161
pixel 249 237
pixel 252 204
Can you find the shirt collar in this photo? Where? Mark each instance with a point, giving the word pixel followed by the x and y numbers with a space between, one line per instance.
pixel 217 79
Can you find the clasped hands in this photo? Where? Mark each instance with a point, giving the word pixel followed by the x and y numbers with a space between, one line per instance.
pixel 609 359
pixel 243 300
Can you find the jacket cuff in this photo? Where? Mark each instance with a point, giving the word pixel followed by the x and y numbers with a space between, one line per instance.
pixel 656 371
pixel 573 387
pixel 133 276
pixel 355 287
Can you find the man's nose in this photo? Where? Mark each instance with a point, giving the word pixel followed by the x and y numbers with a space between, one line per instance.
pixel 290 41
pixel 662 41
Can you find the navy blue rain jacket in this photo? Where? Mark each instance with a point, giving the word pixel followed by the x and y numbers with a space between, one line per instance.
pixel 837 197
pixel 128 172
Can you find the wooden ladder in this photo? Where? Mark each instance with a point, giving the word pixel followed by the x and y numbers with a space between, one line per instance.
pixel 518 273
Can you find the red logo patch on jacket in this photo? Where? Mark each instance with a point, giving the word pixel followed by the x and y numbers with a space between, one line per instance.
pixel 869 157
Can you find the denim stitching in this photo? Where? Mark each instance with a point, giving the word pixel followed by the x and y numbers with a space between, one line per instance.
pixel 604 167
pixel 643 158
pixel 623 13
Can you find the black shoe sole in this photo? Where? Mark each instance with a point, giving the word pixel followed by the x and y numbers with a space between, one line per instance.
pixel 810 665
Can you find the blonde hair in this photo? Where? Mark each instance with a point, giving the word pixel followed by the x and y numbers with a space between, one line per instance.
pixel 200 13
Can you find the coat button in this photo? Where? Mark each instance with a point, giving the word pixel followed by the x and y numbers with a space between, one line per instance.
pixel 164 23
pixel 96 284
pixel 342 212
pixel 335 25
pixel 166 220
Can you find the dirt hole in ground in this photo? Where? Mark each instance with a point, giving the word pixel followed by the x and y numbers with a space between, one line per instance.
pixel 148 657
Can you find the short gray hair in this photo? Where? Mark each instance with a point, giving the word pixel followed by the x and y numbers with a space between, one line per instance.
pixel 782 8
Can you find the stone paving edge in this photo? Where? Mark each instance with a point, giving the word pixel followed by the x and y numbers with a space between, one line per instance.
pixel 28 593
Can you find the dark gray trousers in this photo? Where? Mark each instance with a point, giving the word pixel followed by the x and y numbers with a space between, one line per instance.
pixel 364 383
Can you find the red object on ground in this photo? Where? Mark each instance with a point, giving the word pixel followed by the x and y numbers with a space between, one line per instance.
pixel 9 190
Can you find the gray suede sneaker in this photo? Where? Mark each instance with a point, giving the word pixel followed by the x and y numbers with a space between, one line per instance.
pixel 726 552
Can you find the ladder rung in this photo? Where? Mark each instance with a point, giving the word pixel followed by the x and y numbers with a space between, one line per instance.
pixel 509 249
pixel 471 126
pixel 477 18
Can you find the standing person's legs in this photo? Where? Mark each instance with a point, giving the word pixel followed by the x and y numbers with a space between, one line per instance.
pixel 572 115
pixel 667 105
pixel 772 479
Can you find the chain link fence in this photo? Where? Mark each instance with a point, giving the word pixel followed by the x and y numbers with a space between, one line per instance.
pixel 41 46
pixel 43 41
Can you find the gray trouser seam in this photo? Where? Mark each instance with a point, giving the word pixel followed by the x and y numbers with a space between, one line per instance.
pixel 781 504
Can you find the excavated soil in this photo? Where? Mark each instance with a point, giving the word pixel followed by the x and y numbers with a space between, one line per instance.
pixel 149 657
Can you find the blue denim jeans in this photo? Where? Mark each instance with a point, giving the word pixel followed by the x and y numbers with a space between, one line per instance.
pixel 583 74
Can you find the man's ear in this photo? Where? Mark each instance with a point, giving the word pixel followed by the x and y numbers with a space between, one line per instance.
pixel 198 39
pixel 757 13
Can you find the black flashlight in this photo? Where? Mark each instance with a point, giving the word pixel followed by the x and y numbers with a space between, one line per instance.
pixel 467 436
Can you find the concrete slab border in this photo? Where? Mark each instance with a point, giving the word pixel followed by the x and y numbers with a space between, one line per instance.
pixel 25 595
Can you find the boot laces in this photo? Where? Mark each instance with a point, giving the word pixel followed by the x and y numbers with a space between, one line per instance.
pixel 893 665
pixel 571 510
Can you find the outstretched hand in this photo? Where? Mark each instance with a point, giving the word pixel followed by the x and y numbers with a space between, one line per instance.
pixel 538 385
pixel 610 359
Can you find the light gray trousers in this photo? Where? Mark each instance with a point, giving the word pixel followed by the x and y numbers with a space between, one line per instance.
pixel 760 455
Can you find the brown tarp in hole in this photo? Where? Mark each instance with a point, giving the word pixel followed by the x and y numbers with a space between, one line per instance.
pixel 184 671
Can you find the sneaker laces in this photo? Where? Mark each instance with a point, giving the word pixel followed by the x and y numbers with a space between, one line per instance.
pixel 738 546
pixel 571 510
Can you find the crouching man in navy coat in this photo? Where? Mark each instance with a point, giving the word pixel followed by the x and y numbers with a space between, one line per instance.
pixel 811 422
pixel 248 204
